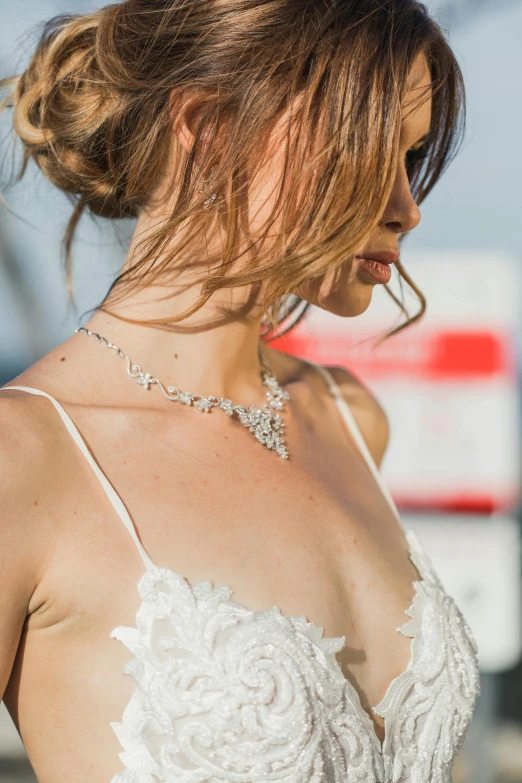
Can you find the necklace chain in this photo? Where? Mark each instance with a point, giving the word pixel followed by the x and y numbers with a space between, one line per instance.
pixel 265 423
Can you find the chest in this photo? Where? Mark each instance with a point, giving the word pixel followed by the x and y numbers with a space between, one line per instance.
pixel 237 633
pixel 314 535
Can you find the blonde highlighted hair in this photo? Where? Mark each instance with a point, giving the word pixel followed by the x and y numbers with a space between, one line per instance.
pixel 96 106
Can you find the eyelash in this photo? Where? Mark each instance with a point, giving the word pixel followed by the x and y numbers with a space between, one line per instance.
pixel 414 156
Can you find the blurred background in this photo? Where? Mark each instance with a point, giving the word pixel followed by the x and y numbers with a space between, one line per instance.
pixel 450 385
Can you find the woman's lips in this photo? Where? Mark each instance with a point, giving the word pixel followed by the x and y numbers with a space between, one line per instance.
pixel 378 271
pixel 384 256
pixel 376 264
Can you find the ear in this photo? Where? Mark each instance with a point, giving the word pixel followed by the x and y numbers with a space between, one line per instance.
pixel 185 112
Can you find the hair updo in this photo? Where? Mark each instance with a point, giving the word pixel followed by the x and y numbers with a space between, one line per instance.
pixel 96 106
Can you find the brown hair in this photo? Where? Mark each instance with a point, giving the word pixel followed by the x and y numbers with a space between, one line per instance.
pixel 96 106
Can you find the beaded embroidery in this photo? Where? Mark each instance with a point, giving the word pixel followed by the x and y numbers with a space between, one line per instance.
pixel 225 694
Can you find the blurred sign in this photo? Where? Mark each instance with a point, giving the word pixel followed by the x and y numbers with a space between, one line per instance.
pixel 449 384
pixel 478 561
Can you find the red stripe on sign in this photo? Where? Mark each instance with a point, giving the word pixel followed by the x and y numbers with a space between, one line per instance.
pixel 459 502
pixel 458 353
pixel 435 355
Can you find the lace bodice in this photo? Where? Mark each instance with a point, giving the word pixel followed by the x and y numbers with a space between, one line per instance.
pixel 226 694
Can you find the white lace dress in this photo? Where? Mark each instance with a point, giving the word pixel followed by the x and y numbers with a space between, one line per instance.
pixel 225 694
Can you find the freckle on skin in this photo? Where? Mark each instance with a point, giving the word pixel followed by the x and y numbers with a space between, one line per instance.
pixel 311 498
pixel 35 502
pixel 175 355
pixel 63 359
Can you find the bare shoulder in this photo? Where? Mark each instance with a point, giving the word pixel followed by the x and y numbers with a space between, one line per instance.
pixel 367 410
pixel 27 454
pixel 29 437
pixel 24 452
pixel 19 426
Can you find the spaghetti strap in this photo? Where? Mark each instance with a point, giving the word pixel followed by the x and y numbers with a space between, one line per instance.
pixel 355 431
pixel 114 498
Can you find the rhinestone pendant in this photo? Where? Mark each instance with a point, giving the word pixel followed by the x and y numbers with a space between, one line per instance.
pixel 264 423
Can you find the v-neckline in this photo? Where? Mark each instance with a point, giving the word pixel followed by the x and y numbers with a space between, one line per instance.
pixel 413 555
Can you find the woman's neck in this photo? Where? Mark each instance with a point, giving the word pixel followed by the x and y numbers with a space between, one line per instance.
pixel 214 351
pixel 207 353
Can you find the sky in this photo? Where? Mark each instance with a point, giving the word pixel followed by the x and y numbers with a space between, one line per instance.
pixel 476 205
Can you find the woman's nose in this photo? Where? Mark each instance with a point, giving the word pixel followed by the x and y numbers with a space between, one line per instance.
pixel 402 213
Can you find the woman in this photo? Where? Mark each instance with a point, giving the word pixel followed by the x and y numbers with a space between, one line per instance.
pixel 256 586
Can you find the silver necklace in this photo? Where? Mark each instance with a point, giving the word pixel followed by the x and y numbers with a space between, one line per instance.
pixel 265 423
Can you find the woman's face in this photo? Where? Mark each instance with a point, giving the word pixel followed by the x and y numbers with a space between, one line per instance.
pixel 347 291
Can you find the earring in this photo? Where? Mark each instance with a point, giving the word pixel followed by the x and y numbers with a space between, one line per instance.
pixel 206 185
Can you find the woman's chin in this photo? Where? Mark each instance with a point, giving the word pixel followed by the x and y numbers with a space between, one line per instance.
pixel 346 306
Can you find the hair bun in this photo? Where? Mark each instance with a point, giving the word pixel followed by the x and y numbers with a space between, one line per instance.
pixel 63 105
